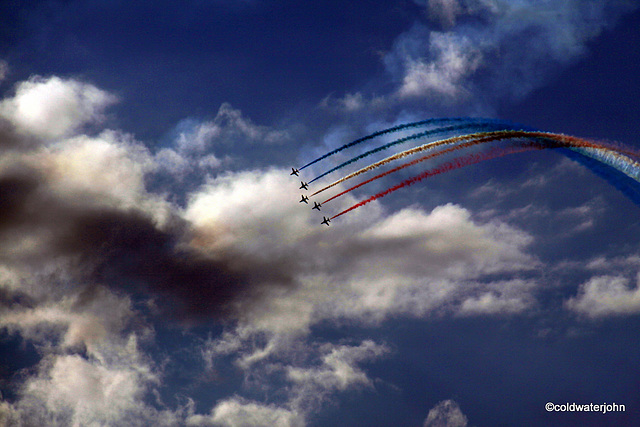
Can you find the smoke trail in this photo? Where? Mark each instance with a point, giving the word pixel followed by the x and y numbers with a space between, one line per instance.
pixel 532 145
pixel 601 152
pixel 428 122
pixel 424 147
pixel 477 127
pixel 586 152
pixel 619 180
pixel 445 167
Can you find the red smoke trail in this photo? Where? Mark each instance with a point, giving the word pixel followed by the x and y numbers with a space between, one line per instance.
pixel 601 152
pixel 445 167
pixel 431 156
pixel 492 135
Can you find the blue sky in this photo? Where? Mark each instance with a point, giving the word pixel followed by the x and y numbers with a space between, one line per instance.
pixel 156 267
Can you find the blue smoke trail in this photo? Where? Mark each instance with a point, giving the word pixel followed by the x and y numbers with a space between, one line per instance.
pixel 480 125
pixel 620 179
pixel 398 128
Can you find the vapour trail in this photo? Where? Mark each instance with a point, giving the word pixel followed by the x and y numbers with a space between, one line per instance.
pixel 476 127
pixel 424 147
pixel 428 122
pixel 622 182
pixel 502 134
pixel 531 144
pixel 588 149
pixel 445 167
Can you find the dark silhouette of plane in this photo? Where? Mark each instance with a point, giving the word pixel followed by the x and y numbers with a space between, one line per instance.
pixel 304 186
pixel 325 220
pixel 294 171
pixel 316 205
pixel 304 199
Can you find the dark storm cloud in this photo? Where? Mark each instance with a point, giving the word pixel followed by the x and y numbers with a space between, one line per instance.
pixel 11 298
pixel 15 192
pixel 81 202
pixel 124 249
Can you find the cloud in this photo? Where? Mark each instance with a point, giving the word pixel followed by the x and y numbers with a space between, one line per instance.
pixel 87 389
pixel 4 69
pixel 81 202
pixel 240 242
pixel 92 370
pixel 72 321
pixel 87 250
pixel 108 388
pixel 603 296
pixel 454 60
pixel 52 107
pixel 229 126
pixel 409 263
pixel 306 375
pixel 446 414
pixel 510 297
pixel 501 49
pixel 199 148
pixel 444 11
pixel 85 200
pixel 238 412
pixel 338 370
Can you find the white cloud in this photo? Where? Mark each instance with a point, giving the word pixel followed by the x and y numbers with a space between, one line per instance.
pixel 502 48
pixel 229 126
pixel 173 162
pixel 91 391
pixel 312 375
pixel 509 297
pixel 446 414
pixel 109 169
pixel 410 263
pixel 53 107
pixel 238 412
pixel 368 267
pixel 70 321
pixel 338 370
pixel 630 262
pixel 453 58
pixel 198 145
pixel 108 388
pixel 606 296
pixel 255 213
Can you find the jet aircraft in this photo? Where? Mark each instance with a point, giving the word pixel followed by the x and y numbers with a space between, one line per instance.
pixel 294 171
pixel 316 205
pixel 325 220
pixel 304 199
pixel 304 186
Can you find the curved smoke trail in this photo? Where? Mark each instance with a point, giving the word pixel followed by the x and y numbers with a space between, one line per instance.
pixel 532 145
pixel 446 167
pixel 428 122
pixel 424 147
pixel 497 135
pixel 619 180
pixel 588 153
pixel 477 127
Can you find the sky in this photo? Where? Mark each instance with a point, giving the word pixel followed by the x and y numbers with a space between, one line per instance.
pixel 157 268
